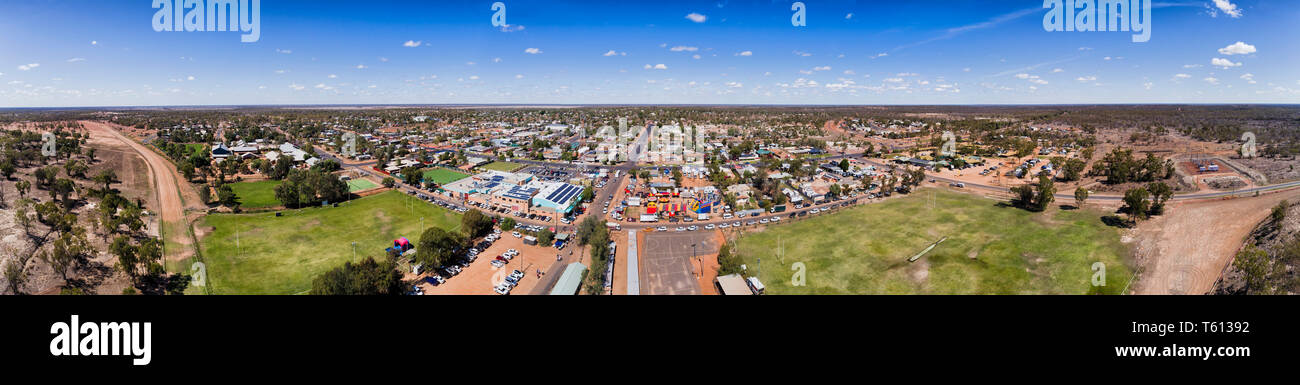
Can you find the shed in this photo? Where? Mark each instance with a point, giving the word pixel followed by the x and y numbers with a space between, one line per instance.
pixel 732 284
pixel 569 281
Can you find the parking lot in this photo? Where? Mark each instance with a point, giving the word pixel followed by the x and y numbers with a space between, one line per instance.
pixel 550 174
pixel 666 265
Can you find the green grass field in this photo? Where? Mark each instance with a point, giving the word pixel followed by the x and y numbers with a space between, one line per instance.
pixel 503 166
pixel 443 176
pixel 256 195
pixel 360 185
pixel 283 255
pixel 991 249
pixel 195 148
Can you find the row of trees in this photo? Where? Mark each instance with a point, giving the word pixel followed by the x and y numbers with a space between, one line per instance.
pixel 1119 166
pixel 311 187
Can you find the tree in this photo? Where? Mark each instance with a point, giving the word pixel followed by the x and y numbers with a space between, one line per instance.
pixel 412 176
pixel 1080 196
pixel 187 170
pixel 106 177
pixel 589 230
pixel 437 247
pixel 844 165
pixel 1022 196
pixel 7 168
pixel 23 186
pixel 1279 212
pixel 727 263
pixel 545 237
pixel 1074 169
pixel 127 259
pixel 1160 194
pixel 1257 270
pixel 367 277
pixel 90 154
pixel 508 224
pixel 75 169
pixel 63 188
pixel 226 196
pixel 1135 201
pixel 475 223
pixel 1046 192
pixel 205 194
pixel 389 182
pixel 588 195
pixel 15 273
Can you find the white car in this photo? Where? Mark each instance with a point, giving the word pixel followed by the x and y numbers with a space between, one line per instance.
pixel 709 226
pixel 723 226
pixel 764 221
pixel 776 219
pixel 692 228
pixel 516 234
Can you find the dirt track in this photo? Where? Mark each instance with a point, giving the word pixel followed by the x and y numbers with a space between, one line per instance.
pixel 1185 250
pixel 166 182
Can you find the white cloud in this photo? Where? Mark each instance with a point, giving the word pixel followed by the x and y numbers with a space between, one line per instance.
pixel 76 59
pixel 1057 71
pixel 1211 80
pixel 1225 63
pixel 822 68
pixel 333 76
pixel 698 18
pixel 849 72
pixel 519 76
pixel 746 53
pixel 532 51
pixel 882 54
pixel 1228 8
pixel 681 48
pixel 1086 79
pixel 1249 78
pixel 1022 76
pixel 190 78
pixel 1238 48
pixel 412 43
pixel 615 53
pixel 660 66
pixel 1192 66
pixel 361 66
pixel 473 77
pixel 28 67
pixel 1182 76
pixel 801 53
pixel 848 16
pixel 94 42
pixel 283 51
pixel 297 87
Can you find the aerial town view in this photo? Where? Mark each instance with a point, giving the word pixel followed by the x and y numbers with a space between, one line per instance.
pixel 790 148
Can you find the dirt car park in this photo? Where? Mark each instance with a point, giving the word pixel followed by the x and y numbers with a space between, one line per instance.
pixel 481 277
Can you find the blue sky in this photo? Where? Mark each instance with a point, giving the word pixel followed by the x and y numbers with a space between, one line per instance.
pixel 106 53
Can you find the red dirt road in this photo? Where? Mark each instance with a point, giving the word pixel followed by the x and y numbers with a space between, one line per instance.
pixel 166 182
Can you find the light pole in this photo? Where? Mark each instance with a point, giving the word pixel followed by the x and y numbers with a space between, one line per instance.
pixel 693 256
pixel 354 251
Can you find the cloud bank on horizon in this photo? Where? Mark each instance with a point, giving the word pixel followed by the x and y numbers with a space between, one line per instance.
pixel 677 52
